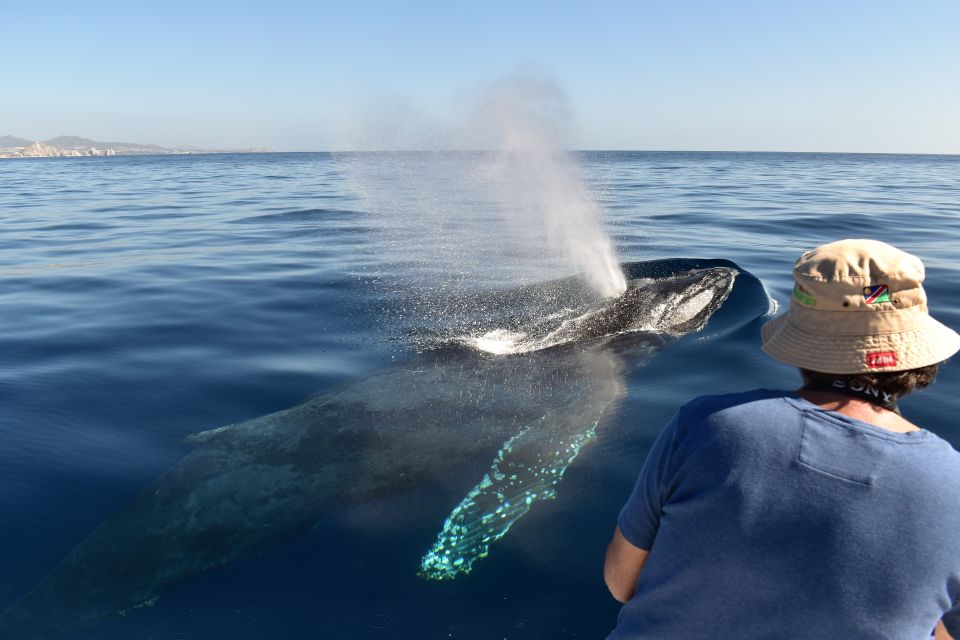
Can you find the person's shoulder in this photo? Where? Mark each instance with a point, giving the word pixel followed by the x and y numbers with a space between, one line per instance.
pixel 745 401
pixel 733 419
pixel 931 466
pixel 945 451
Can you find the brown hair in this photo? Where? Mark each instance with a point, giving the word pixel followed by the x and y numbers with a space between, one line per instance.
pixel 894 383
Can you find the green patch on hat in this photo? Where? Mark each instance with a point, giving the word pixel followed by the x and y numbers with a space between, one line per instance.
pixel 802 296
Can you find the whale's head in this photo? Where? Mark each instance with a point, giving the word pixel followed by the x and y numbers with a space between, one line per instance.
pixel 676 304
pixel 668 305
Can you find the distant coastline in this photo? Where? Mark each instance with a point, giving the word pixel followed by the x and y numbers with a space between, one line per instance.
pixel 75 147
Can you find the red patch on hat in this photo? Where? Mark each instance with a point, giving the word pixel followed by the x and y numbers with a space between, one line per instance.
pixel 878 359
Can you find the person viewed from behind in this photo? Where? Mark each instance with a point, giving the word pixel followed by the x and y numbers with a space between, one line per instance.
pixel 816 514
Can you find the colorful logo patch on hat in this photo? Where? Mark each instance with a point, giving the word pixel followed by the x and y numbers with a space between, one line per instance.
pixel 879 293
pixel 880 359
pixel 803 296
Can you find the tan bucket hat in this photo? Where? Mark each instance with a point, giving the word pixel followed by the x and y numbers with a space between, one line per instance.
pixel 858 306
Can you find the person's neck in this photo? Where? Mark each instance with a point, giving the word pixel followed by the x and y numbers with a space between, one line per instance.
pixel 858 409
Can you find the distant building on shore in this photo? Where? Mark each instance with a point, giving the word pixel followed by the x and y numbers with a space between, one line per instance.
pixel 43 150
pixel 75 146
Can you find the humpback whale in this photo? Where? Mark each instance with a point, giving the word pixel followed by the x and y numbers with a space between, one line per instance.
pixel 518 420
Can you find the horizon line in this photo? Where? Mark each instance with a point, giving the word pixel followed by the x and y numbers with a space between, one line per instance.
pixel 599 150
pixel 196 151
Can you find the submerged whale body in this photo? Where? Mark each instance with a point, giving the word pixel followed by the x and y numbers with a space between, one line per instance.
pixel 519 420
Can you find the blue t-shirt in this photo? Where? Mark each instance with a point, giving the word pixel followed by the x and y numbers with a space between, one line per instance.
pixel 768 517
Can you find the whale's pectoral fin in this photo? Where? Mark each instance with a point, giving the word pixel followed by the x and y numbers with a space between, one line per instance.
pixel 526 469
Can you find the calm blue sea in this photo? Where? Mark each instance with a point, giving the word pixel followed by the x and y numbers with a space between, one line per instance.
pixel 143 299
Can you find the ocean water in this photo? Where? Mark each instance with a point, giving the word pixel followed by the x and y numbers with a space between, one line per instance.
pixel 144 299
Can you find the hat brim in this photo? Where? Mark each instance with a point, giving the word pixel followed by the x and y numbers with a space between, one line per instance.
pixel 930 343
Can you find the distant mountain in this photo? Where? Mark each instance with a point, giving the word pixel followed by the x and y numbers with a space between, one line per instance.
pixel 13 141
pixel 76 142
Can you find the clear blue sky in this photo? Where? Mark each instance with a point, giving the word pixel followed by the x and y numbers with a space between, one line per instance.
pixel 667 74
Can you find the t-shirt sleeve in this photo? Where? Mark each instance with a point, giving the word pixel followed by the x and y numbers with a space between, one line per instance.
pixel 640 517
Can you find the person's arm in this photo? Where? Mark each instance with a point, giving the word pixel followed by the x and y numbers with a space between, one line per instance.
pixel 941 633
pixel 639 519
pixel 622 566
